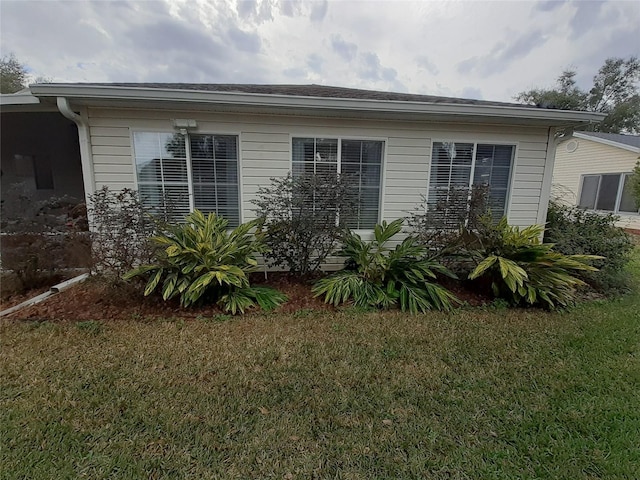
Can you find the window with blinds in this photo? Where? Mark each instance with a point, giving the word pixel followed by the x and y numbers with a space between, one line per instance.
pixel 610 192
pixel 456 168
pixel 178 173
pixel 361 160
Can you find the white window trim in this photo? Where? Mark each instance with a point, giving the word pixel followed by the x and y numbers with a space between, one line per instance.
pixel 483 141
pixel 616 210
pixel 237 134
pixel 365 232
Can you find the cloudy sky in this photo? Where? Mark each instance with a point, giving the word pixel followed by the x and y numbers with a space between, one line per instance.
pixel 472 49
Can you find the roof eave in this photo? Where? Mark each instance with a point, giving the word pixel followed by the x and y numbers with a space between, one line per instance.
pixel 19 98
pixel 606 141
pixel 88 92
pixel 23 101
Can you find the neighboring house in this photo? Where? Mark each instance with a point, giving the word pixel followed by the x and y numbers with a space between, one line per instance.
pixel 592 170
pixel 213 146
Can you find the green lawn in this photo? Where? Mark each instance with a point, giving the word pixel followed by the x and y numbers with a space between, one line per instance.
pixel 473 394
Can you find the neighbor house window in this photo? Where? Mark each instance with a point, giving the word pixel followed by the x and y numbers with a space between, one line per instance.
pixel 610 192
pixel 182 172
pixel 360 159
pixel 458 167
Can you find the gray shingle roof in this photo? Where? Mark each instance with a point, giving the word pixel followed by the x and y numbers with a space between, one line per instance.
pixel 309 91
pixel 631 140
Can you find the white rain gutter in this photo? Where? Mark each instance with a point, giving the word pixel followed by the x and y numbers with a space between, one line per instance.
pixel 85 145
pixel 131 94
pixel 43 296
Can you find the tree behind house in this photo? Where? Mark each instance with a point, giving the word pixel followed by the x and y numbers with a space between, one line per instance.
pixel 614 92
pixel 13 75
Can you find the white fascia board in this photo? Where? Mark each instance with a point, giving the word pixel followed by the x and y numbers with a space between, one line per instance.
pixel 88 92
pixel 605 141
pixel 20 98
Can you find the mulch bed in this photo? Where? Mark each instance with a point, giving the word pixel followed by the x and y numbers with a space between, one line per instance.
pixel 95 300
pixel 11 296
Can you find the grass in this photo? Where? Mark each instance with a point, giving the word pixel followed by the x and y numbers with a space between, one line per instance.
pixel 491 393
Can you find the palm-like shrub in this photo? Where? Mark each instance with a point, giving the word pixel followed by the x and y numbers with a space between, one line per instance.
pixel 201 260
pixel 526 271
pixel 381 277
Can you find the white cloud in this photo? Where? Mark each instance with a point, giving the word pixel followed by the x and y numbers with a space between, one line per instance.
pixel 488 50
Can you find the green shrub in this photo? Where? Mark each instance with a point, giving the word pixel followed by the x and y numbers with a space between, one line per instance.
pixel 303 218
pixel 575 231
pixel 200 260
pixel 442 225
pixel 526 271
pixel 121 229
pixel 635 183
pixel 381 277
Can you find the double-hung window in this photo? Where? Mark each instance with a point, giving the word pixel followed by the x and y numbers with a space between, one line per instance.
pixel 456 167
pixel 181 172
pixel 361 160
pixel 610 192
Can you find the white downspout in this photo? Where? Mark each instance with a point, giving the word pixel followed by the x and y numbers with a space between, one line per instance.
pixel 43 296
pixel 547 179
pixel 85 146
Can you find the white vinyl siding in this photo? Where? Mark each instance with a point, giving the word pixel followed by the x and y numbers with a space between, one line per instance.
pixel 265 151
pixel 591 158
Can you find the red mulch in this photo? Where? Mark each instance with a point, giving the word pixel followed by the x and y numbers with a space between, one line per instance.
pixel 95 300
pixel 10 297
pixel 17 298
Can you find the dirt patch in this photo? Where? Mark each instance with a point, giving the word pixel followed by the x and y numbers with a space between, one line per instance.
pixel 634 234
pixel 298 290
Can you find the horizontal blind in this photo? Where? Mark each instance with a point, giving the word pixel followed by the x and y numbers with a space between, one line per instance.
pixel 214 168
pixel 163 173
pixel 161 166
pixel 362 160
pixel 449 183
pixel 493 169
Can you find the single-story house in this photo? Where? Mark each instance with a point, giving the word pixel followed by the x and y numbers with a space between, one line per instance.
pixel 593 169
pixel 212 146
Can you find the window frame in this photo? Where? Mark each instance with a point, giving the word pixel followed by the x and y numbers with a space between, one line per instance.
pixel 483 141
pixel 340 138
pixel 170 130
pixel 621 181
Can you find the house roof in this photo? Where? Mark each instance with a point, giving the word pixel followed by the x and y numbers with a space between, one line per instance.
pixel 307 100
pixel 312 90
pixel 627 142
